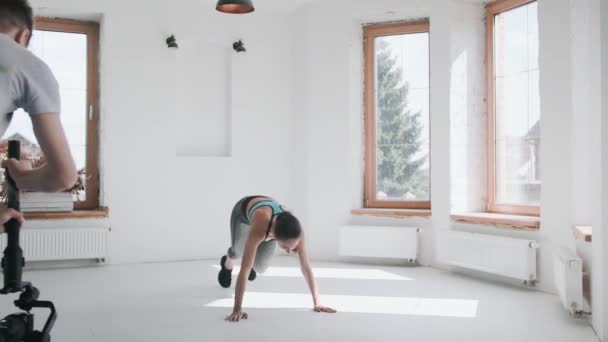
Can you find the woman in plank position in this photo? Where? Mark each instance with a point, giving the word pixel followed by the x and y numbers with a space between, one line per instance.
pixel 257 225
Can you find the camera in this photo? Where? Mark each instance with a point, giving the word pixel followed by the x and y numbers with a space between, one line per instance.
pixel 15 327
pixel 19 327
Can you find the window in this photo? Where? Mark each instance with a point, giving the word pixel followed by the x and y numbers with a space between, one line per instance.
pixel 513 108
pixel 70 49
pixel 397 132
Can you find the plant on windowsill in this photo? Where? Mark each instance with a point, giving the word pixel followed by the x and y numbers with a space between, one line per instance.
pixel 41 201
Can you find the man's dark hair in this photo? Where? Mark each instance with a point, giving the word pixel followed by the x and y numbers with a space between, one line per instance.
pixel 287 227
pixel 16 14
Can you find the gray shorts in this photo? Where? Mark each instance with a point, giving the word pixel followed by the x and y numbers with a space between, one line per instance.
pixel 239 231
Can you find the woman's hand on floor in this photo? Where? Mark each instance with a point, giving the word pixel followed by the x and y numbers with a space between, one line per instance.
pixel 235 316
pixel 321 308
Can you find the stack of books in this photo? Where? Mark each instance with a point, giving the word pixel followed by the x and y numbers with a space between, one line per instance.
pixel 32 202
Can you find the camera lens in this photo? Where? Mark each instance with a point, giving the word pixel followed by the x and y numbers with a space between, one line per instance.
pixel 13 328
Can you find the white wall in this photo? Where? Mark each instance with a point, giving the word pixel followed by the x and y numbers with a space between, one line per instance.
pixel 327 85
pixel 586 144
pixel 601 235
pixel 159 201
pixel 468 111
pixel 442 20
pixel 327 78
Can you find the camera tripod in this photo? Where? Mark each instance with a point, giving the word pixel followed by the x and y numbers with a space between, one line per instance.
pixel 20 326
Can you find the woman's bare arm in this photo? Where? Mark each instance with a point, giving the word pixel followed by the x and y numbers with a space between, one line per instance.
pixel 310 278
pixel 255 238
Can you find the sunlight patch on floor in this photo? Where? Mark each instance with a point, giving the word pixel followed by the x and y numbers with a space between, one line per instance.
pixel 334 273
pixel 441 307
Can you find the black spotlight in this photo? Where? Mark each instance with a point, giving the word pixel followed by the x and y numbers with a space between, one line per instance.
pixel 172 42
pixel 239 46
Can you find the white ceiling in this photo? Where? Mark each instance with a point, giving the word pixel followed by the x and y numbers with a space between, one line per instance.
pixel 49 7
pixel 290 5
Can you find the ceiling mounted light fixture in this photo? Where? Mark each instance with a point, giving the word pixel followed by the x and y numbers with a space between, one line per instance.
pixel 235 6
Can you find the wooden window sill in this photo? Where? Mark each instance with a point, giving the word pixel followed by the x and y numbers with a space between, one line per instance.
pixel 392 212
pixel 77 214
pixel 583 232
pixel 511 221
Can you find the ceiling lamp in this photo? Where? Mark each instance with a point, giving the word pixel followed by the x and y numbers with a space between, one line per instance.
pixel 235 6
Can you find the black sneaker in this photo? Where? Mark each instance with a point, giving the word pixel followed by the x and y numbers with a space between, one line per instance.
pixel 225 275
pixel 252 275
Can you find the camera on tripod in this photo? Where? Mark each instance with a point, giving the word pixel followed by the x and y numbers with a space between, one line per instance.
pixel 19 327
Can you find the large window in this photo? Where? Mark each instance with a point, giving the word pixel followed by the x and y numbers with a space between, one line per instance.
pixel 70 48
pixel 397 133
pixel 514 174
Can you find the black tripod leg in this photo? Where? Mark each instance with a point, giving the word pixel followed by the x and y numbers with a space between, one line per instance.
pixel 13 262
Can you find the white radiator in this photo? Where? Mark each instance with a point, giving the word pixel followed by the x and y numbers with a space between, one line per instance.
pixel 568 277
pixel 508 257
pixel 379 241
pixel 62 244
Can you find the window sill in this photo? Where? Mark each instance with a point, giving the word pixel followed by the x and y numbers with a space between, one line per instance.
pixel 583 232
pixel 511 221
pixel 77 214
pixel 392 212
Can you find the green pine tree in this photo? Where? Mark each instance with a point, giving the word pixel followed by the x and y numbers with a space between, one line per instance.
pixel 398 132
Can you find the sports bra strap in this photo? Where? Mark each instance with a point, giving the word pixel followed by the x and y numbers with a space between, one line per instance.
pixel 276 208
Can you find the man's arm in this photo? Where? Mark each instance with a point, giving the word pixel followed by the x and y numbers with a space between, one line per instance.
pixel 59 173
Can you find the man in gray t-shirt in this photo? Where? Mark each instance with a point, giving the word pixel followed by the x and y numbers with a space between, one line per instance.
pixel 27 82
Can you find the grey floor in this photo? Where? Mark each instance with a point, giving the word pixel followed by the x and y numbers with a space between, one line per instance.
pixel 183 302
